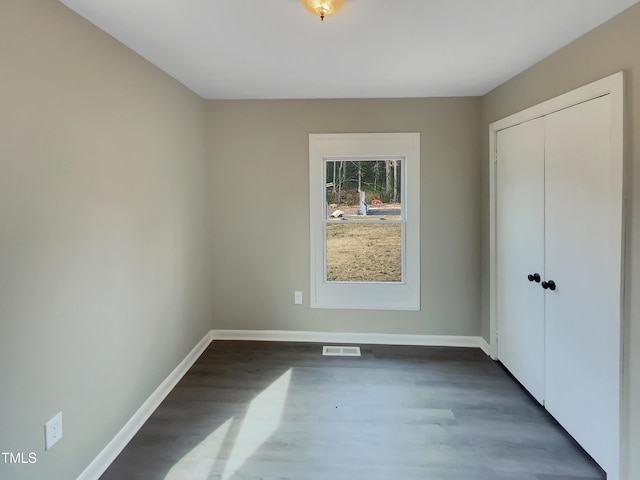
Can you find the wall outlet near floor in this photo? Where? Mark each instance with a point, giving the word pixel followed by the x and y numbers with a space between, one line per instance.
pixel 297 298
pixel 52 431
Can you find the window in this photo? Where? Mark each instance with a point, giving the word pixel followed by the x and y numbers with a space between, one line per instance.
pixel 365 220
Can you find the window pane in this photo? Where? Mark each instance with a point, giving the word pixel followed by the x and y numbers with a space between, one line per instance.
pixel 364 189
pixel 358 252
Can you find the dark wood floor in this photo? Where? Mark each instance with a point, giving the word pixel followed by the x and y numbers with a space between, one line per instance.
pixel 267 411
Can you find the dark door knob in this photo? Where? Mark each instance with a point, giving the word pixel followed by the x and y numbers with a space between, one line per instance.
pixel 551 285
pixel 535 277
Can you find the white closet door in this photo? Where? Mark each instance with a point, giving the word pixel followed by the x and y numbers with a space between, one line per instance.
pixel 582 319
pixel 520 252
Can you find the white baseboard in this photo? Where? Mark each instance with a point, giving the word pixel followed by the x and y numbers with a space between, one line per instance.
pixel 486 348
pixel 100 464
pixel 360 338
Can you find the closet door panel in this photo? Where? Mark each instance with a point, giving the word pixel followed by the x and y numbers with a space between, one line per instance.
pixel 582 346
pixel 520 252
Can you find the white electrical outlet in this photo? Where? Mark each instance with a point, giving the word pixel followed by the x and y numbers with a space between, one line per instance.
pixel 52 431
pixel 297 298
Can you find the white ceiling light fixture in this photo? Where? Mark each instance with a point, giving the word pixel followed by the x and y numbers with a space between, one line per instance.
pixel 322 8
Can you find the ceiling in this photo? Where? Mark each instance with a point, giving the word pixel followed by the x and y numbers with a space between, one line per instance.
pixel 370 49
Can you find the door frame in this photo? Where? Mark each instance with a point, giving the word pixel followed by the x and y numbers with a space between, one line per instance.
pixel 612 85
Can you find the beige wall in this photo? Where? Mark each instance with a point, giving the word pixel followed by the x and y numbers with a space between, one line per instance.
pixel 260 189
pixel 104 264
pixel 607 49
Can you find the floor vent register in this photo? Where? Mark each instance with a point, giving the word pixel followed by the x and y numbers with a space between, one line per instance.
pixel 338 351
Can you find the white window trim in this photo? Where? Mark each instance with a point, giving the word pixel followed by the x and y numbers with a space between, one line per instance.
pixel 403 295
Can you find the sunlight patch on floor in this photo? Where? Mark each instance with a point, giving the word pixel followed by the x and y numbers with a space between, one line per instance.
pixel 260 422
pixel 200 461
